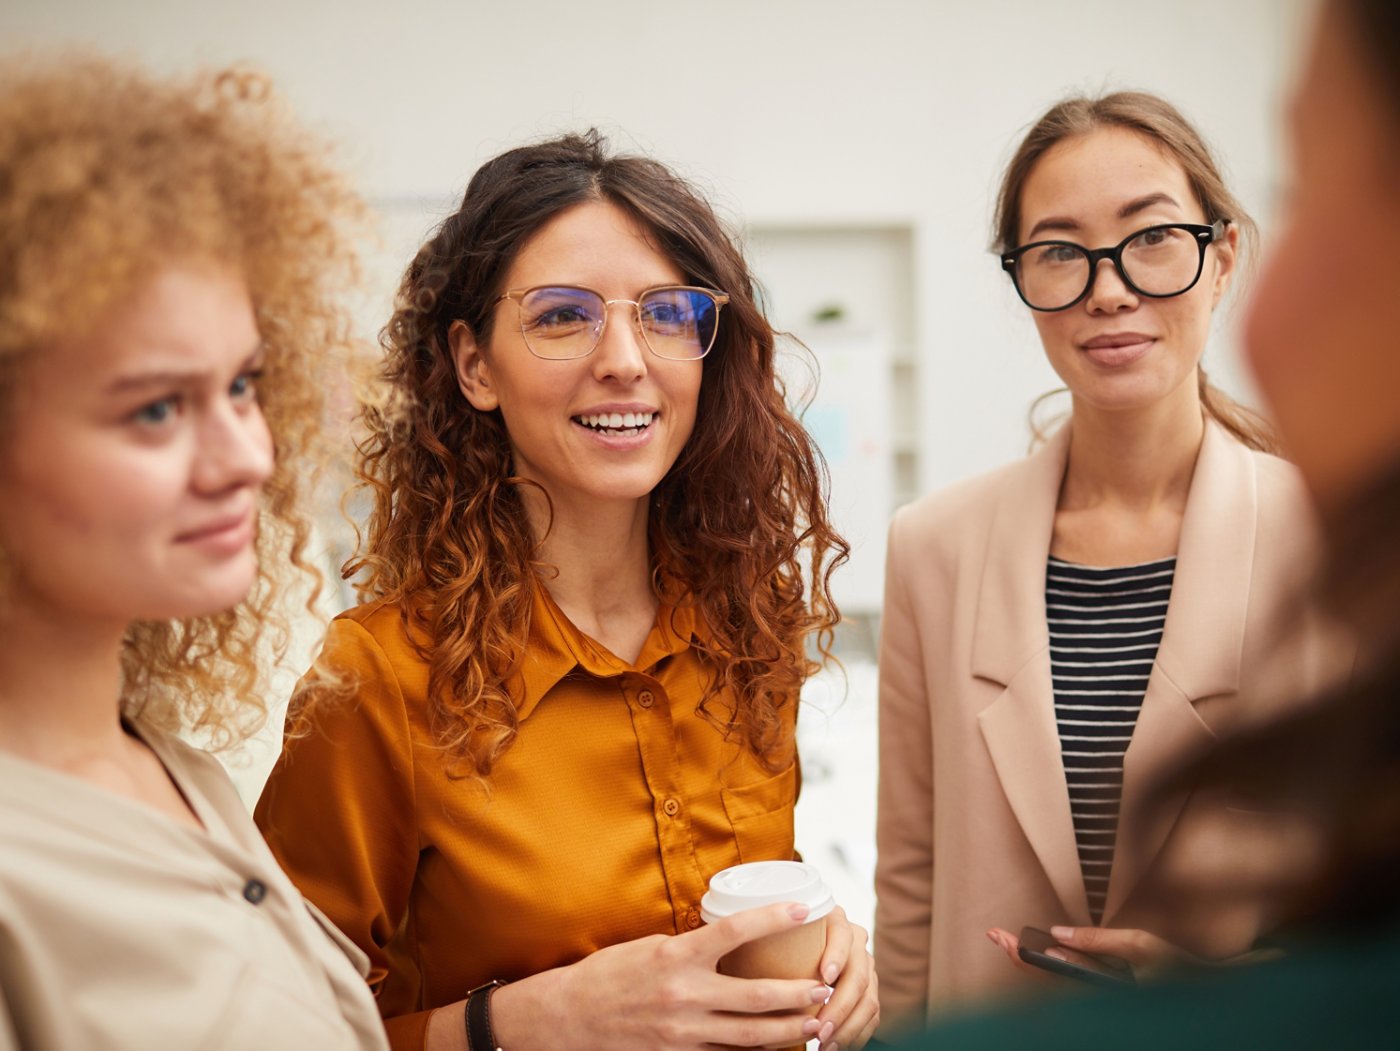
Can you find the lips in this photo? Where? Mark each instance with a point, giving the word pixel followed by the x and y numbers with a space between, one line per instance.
pixel 1117 348
pixel 226 535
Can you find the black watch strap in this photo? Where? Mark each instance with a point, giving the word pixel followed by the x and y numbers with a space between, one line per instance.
pixel 479 1035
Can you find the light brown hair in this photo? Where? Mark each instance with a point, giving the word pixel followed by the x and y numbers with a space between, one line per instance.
pixel 1161 122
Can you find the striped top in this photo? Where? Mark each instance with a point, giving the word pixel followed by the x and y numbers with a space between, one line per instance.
pixel 1105 626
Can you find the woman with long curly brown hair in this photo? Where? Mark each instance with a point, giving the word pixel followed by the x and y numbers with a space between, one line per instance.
pixel 598 548
pixel 170 253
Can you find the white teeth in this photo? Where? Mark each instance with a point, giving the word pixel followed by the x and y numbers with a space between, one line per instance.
pixel 617 421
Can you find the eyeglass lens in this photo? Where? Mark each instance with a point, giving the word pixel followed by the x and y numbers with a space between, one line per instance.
pixel 567 322
pixel 1160 261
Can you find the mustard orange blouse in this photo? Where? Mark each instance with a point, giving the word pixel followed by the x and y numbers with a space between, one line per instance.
pixel 602 822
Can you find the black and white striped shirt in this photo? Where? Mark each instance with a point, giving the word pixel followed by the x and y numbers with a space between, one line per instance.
pixel 1105 626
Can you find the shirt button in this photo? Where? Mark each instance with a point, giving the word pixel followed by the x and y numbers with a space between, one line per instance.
pixel 671 807
pixel 254 891
pixel 692 919
pixel 646 698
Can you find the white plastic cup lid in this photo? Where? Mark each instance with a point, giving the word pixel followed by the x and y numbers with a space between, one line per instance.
pixel 766 883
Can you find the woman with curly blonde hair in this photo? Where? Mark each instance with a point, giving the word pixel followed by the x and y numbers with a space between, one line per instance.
pixel 598 547
pixel 169 250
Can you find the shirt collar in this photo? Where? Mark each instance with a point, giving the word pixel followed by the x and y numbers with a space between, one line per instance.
pixel 556 648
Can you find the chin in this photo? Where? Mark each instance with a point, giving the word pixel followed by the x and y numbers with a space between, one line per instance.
pixel 635 488
pixel 218 594
pixel 1124 393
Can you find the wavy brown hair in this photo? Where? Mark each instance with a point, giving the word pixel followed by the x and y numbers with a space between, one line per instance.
pixel 1164 124
pixel 108 176
pixel 738 526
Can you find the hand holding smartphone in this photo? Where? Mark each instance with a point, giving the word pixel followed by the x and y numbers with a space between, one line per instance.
pixel 1098 969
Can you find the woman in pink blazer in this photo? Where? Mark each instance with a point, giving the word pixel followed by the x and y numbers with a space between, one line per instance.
pixel 1060 631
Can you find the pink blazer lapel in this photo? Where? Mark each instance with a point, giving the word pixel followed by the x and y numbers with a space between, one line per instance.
pixel 1201 650
pixel 1011 646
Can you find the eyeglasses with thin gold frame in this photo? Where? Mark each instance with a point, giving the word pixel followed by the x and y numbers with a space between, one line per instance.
pixel 569 324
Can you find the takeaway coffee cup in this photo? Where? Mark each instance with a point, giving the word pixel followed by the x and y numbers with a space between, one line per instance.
pixel 794 953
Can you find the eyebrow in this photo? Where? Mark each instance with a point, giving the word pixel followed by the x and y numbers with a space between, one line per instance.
pixel 1132 208
pixel 140 381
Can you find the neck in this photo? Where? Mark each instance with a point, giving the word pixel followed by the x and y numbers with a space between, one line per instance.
pixel 60 685
pixel 602 568
pixel 1140 459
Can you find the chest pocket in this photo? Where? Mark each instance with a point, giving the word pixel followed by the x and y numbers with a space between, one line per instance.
pixel 761 816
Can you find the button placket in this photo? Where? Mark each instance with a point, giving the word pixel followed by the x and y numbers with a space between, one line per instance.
pixel 656 743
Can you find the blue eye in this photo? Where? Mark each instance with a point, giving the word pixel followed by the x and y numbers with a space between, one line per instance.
pixel 245 386
pixel 157 412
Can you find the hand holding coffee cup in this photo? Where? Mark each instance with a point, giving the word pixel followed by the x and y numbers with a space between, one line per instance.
pixel 794 953
pixel 827 946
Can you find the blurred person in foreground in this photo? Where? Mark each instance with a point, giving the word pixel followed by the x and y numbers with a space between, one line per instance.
pixel 171 254
pixel 1323 787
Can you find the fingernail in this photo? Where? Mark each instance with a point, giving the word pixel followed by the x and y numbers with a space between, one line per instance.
pixel 1056 954
pixel 1062 934
pixel 993 939
pixel 827 1029
pixel 831 973
pixel 810 1027
pixel 798 912
pixel 821 994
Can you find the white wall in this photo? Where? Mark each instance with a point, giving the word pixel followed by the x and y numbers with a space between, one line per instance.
pixel 885 114
pixel 790 111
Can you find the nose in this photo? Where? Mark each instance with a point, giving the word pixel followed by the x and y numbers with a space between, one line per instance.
pixel 234 449
pixel 621 353
pixel 1109 292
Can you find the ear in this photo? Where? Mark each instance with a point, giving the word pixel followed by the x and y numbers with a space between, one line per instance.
pixel 473 372
pixel 1226 255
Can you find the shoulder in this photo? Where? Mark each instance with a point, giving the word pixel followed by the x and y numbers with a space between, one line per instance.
pixel 376 636
pixel 1281 484
pixel 180 756
pixel 194 770
pixel 1286 524
pixel 961 511
pixel 384 620
pixel 371 670
pixel 1277 483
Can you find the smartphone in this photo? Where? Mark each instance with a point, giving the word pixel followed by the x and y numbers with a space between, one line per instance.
pixel 1100 969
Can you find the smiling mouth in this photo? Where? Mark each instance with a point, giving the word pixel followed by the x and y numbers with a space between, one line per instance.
pixel 621 424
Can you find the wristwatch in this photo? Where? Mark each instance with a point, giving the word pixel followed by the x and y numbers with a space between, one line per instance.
pixel 479 1035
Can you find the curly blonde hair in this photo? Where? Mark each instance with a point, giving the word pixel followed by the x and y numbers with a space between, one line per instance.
pixel 108 176
pixel 739 525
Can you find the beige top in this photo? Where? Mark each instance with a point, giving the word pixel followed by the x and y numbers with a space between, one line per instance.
pixel 975 828
pixel 121 928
